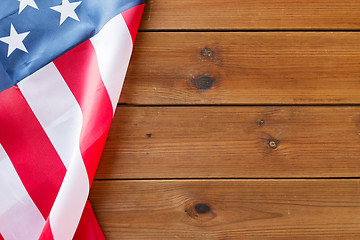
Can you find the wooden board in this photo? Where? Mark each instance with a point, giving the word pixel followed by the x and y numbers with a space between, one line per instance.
pixel 238 120
pixel 244 68
pixel 228 209
pixel 251 14
pixel 232 142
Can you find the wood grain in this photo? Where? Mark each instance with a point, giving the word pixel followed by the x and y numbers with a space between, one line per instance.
pixel 251 14
pixel 244 68
pixel 228 209
pixel 232 142
pixel 178 172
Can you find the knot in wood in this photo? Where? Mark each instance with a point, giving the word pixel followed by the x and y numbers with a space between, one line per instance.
pixel 261 122
pixel 207 52
pixel 202 208
pixel 199 211
pixel 203 82
pixel 273 144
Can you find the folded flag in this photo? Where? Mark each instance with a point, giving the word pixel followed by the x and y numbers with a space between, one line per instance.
pixel 62 67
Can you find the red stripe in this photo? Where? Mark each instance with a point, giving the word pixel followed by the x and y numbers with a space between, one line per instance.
pixel 30 150
pixel 88 227
pixel 132 18
pixel 79 68
pixel 46 233
pixel 1 237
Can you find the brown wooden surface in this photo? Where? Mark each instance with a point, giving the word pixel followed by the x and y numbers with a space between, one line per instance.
pixel 245 68
pixel 228 209
pixel 237 172
pixel 202 142
pixel 251 14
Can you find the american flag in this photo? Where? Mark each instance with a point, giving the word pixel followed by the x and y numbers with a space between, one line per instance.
pixel 62 68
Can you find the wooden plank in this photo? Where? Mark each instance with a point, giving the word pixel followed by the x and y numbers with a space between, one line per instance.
pixel 232 142
pixel 244 68
pixel 232 209
pixel 251 14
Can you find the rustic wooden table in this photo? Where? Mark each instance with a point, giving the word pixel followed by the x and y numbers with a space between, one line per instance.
pixel 239 119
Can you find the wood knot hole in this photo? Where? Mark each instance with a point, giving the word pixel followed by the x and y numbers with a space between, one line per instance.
pixel 203 83
pixel 207 52
pixel 273 144
pixel 202 208
pixel 200 212
pixel 261 122
pixel 149 135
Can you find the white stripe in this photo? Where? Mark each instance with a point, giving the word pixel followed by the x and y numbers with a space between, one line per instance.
pixel 20 219
pixel 70 202
pixel 60 115
pixel 56 109
pixel 113 46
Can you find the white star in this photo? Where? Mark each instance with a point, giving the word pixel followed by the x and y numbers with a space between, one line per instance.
pixel 25 3
pixel 15 40
pixel 66 10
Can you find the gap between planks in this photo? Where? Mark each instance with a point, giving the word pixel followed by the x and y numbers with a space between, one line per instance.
pixel 245 30
pixel 225 179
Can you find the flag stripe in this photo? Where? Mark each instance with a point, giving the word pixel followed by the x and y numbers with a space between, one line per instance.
pixel 113 42
pixel 132 18
pixel 80 71
pixel 17 209
pixel 69 204
pixel 61 120
pixel 35 150
pixel 46 233
pixel 88 228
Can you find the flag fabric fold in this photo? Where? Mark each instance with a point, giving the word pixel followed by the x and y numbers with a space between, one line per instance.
pixel 62 68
